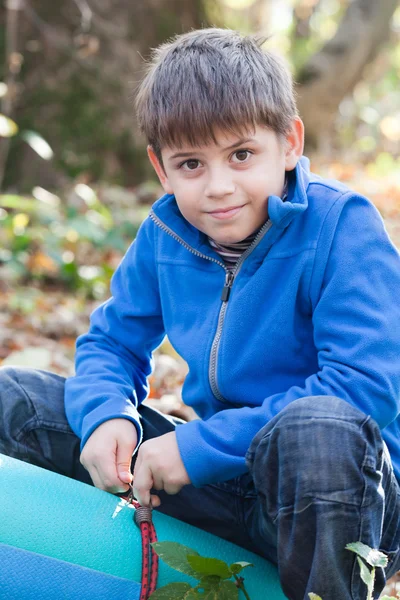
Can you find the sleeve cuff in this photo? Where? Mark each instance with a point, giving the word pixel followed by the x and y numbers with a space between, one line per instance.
pixel 204 462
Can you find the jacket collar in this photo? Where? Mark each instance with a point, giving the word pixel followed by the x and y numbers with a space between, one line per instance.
pixel 280 212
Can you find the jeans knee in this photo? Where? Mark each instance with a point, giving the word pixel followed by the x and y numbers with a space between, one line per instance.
pixel 12 376
pixel 6 373
pixel 330 407
pixel 8 382
pixel 317 447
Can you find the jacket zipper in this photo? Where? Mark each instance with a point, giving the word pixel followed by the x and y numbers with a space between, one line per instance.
pixel 230 275
pixel 229 280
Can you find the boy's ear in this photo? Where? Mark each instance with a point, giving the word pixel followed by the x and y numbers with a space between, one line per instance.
pixel 294 144
pixel 159 169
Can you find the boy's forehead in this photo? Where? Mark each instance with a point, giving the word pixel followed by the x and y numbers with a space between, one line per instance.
pixel 223 139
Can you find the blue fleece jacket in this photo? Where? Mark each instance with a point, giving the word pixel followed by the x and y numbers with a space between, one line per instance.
pixel 313 309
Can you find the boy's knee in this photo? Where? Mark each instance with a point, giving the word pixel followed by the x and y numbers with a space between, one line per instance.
pixel 8 379
pixel 320 407
pixel 317 446
pixel 27 392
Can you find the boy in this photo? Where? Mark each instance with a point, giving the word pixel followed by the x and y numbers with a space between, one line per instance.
pixel 280 290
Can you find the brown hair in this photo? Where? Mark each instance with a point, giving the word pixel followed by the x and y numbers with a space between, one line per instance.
pixel 211 79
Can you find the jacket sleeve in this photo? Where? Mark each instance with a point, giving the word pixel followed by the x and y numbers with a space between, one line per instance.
pixel 114 359
pixel 354 292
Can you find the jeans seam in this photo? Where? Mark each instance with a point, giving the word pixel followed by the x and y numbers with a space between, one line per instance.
pixel 26 393
pixel 39 422
pixel 362 505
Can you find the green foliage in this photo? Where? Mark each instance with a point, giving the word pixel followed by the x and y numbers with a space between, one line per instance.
pixel 372 557
pixel 214 576
pixel 75 241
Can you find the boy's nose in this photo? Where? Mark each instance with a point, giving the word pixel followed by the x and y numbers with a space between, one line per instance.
pixel 219 185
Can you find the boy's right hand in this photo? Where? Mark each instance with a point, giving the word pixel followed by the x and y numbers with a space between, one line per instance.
pixel 107 455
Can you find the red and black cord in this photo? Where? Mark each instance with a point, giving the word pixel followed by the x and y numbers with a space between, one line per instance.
pixel 143 519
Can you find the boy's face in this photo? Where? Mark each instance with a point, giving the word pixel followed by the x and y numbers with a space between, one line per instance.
pixel 222 189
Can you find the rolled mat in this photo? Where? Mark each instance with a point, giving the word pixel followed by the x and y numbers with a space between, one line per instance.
pixel 63 540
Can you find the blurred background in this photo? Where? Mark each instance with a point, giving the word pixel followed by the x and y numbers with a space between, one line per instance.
pixel 75 182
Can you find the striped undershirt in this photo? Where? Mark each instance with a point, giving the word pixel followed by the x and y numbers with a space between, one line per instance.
pixel 230 253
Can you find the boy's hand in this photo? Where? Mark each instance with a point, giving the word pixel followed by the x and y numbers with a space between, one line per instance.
pixel 159 466
pixel 107 455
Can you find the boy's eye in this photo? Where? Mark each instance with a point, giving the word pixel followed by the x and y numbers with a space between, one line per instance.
pixel 241 155
pixel 191 164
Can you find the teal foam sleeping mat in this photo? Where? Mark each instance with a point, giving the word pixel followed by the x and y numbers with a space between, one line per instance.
pixel 63 540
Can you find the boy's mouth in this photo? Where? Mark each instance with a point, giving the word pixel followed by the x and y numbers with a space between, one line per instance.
pixel 226 213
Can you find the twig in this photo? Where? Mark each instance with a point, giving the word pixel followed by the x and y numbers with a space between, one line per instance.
pixel 240 585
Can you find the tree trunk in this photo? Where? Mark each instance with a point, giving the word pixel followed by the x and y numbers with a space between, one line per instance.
pixel 79 82
pixel 333 72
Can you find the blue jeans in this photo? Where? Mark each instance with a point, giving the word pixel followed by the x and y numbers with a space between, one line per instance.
pixel 319 477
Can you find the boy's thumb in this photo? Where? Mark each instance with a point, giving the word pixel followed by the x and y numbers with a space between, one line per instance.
pixel 123 460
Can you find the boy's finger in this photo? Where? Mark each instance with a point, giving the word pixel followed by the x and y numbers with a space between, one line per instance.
pixel 142 484
pixel 109 479
pixel 155 501
pixel 94 474
pixel 123 461
pixel 158 483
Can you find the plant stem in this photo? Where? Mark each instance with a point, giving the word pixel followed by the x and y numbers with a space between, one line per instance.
pixel 241 587
pixel 371 587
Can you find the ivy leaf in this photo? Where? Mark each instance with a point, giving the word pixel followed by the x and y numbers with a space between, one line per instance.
pixel 314 596
pixel 210 566
pixel 236 567
pixel 208 582
pixel 365 573
pixel 223 590
pixel 194 594
pixel 175 555
pixel 228 591
pixel 375 558
pixel 172 591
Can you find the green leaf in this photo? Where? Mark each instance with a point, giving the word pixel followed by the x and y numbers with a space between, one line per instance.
pixel 375 558
pixel 87 229
pixel 208 582
pixel 175 555
pixel 7 127
pixel 223 590
pixel 236 567
pixel 314 596
pixel 171 591
pixel 365 573
pixel 228 591
pixel 17 202
pixel 210 566
pixel 388 598
pixel 38 144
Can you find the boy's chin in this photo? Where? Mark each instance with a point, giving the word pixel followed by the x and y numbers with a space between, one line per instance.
pixel 226 241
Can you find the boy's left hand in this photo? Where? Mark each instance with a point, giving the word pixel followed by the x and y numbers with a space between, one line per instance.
pixel 159 466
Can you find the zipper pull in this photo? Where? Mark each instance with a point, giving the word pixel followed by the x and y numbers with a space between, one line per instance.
pixel 226 290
